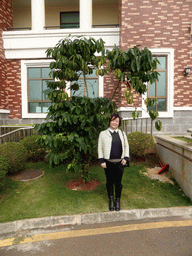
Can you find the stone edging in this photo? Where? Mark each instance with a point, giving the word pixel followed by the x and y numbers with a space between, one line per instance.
pixel 124 215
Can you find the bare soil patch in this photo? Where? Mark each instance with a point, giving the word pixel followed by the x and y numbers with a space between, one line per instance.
pixel 153 174
pixel 79 185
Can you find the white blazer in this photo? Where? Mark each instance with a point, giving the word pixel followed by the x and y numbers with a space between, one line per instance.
pixel 105 141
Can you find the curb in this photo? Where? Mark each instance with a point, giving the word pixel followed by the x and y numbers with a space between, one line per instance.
pixel 93 218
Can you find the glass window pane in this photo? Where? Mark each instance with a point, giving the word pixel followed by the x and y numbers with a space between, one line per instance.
pixel 35 90
pixel 45 106
pixel 45 90
pixel 162 64
pixel 70 17
pixel 34 72
pixel 152 89
pixel 92 88
pixel 34 107
pixel 161 105
pixel 93 74
pixel 45 72
pixel 153 108
pixel 162 84
pixel 80 92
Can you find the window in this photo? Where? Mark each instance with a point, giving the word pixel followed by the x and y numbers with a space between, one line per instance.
pixel 69 19
pixel 38 101
pixel 92 86
pixel 162 90
pixel 158 90
pixel 34 74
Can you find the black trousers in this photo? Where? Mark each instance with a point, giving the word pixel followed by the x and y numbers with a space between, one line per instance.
pixel 114 174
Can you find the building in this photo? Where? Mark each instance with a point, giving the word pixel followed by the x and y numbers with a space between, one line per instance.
pixel 29 27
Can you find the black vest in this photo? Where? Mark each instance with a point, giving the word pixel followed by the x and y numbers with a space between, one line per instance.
pixel 116 146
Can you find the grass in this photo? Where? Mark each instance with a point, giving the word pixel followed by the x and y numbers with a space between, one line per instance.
pixel 48 195
pixel 183 138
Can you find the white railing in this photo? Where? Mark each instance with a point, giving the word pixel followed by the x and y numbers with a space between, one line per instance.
pixel 14 134
pixel 142 124
pixel 17 133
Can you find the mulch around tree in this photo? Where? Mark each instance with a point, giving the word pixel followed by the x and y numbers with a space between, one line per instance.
pixel 26 175
pixel 79 185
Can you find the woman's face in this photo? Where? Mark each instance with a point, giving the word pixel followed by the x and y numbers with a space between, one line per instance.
pixel 114 124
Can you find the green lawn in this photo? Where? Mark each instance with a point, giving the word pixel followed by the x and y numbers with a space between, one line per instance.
pixel 48 195
pixel 183 138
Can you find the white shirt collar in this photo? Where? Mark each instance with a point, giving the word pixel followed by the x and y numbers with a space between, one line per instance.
pixel 112 131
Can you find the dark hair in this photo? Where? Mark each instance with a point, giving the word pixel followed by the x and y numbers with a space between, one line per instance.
pixel 114 116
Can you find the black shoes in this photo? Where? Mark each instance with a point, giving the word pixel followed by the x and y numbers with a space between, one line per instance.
pixel 114 206
pixel 111 203
pixel 117 204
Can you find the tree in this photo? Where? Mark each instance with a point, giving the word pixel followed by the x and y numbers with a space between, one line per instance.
pixel 73 123
pixel 74 57
pixel 133 69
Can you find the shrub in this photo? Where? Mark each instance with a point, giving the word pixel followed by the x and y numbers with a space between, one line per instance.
pixel 4 167
pixel 15 154
pixel 35 151
pixel 140 144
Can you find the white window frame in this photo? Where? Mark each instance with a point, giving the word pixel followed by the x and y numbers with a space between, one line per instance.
pixel 169 53
pixel 25 64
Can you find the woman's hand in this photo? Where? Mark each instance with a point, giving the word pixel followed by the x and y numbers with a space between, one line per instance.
pixel 103 165
pixel 123 162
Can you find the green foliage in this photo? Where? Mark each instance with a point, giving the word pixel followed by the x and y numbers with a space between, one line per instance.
pixel 74 57
pixel 15 154
pixel 135 115
pixel 133 67
pixel 73 123
pixel 73 130
pixel 158 125
pixel 129 96
pixel 35 151
pixel 4 167
pixel 140 143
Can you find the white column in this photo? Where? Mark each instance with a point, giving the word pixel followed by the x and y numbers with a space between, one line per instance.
pixel 85 14
pixel 38 14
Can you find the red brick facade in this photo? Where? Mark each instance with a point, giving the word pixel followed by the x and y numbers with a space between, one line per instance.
pixel 6 20
pixel 14 88
pixel 162 24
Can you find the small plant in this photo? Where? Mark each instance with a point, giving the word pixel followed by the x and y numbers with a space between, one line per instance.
pixel 15 154
pixel 35 151
pixel 4 167
pixel 140 144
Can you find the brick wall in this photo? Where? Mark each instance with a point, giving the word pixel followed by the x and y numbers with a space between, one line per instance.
pixel 14 88
pixel 6 20
pixel 3 77
pixel 162 24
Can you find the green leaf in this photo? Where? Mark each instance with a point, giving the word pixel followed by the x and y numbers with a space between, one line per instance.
pixel 158 125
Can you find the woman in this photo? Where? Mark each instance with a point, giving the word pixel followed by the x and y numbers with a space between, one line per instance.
pixel 113 153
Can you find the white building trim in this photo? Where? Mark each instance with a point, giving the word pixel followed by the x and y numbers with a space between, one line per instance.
pixel 86 15
pixel 33 44
pixel 38 14
pixel 24 93
pixel 170 82
pixel 182 108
